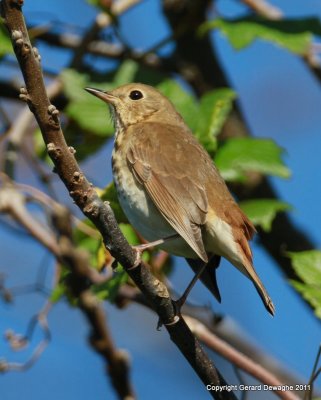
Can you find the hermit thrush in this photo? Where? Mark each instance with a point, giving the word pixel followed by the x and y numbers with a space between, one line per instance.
pixel 169 187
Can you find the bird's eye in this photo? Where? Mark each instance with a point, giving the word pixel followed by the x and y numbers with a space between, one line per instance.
pixel 136 95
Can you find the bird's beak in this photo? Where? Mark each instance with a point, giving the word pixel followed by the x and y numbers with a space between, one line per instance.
pixel 104 96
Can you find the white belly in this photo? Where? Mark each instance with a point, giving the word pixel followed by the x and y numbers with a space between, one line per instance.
pixel 143 214
pixel 149 222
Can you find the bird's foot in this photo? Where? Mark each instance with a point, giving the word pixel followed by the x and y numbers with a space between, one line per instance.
pixel 145 246
pixel 176 318
pixel 178 304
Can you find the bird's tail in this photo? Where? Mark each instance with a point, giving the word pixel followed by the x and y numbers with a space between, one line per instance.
pixel 245 263
pixel 248 270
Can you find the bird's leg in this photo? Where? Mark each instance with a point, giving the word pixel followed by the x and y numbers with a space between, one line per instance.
pixel 214 263
pixel 144 246
pixel 178 304
pixel 181 301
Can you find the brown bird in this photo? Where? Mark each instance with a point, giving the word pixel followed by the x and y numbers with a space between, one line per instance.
pixel 170 189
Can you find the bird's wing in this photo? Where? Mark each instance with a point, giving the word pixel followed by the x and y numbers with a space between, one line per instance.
pixel 161 159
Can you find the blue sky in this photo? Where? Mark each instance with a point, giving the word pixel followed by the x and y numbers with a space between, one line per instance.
pixel 280 99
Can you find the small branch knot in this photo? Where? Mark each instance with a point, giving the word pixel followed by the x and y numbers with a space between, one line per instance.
pixel 54 116
pixel 20 44
pixel 3 365
pixel 17 38
pixel 52 110
pixel 77 177
pixel 54 152
pixel 91 208
pixel 36 54
pixel 24 96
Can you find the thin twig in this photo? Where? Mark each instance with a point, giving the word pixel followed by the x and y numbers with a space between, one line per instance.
pixel 239 360
pixel 13 203
pixel 314 374
pixel 236 358
pixel 102 21
pixel 117 361
pixel 17 341
pixel 264 8
pixel 23 124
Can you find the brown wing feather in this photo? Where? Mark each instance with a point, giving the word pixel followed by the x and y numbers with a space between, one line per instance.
pixel 182 202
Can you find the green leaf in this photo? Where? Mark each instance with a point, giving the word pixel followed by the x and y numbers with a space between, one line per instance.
pixel 40 147
pixel 105 6
pixel 5 42
pixel 125 73
pixel 109 194
pixel 91 115
pixel 294 35
pixel 263 211
pixel 90 244
pixel 88 112
pixel 310 293
pixel 183 101
pixel 58 291
pixel 307 265
pixel 240 155
pixel 62 288
pixel 132 238
pixel 215 107
pixel 109 289
pixel 95 3
pixel 129 233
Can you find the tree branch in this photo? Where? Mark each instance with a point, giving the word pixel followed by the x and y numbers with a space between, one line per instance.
pixel 18 341
pixel 117 361
pixel 102 21
pixel 13 203
pixel 88 201
pixel 238 359
pixel 212 340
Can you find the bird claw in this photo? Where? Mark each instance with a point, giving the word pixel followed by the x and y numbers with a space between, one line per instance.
pixel 159 325
pixel 145 246
pixel 138 258
pixel 178 304
pixel 176 318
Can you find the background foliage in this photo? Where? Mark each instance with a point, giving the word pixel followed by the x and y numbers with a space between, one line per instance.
pixel 211 105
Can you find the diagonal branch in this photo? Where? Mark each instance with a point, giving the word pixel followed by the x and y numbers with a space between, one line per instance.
pixel 212 340
pixel 92 206
pixel 102 21
pixel 117 361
